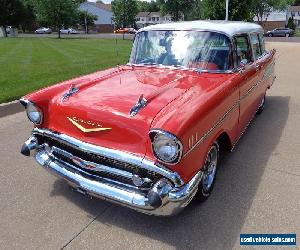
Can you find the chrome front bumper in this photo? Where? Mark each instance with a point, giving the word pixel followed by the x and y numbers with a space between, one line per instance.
pixel 163 198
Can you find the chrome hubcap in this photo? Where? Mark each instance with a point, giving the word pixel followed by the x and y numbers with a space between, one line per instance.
pixel 210 167
pixel 262 102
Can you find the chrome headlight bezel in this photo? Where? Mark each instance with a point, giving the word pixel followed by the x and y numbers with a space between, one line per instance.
pixel 156 135
pixel 32 108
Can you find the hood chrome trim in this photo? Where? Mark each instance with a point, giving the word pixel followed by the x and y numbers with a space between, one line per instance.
pixel 73 89
pixel 86 130
pixel 141 103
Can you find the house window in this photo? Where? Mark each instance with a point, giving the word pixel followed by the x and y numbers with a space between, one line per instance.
pixel 149 18
pixel 157 19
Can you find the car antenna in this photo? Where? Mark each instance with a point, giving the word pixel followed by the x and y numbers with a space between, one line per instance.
pixel 117 51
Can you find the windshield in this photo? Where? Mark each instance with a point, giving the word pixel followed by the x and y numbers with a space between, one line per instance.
pixel 200 50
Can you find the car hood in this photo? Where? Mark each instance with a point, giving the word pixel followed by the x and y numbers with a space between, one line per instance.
pixel 99 113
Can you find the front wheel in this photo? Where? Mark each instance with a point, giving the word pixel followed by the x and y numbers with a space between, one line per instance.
pixel 209 173
pixel 262 105
pixel 270 35
pixel 287 35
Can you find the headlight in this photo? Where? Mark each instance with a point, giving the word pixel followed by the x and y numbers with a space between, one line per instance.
pixel 34 114
pixel 166 147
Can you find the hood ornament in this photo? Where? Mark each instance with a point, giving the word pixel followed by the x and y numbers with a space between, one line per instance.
pixel 73 89
pixel 141 103
pixel 97 127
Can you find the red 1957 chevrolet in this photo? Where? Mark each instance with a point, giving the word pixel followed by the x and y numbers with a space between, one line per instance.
pixel 148 134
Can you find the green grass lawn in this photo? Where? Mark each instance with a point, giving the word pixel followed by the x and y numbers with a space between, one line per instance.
pixel 297 33
pixel 28 64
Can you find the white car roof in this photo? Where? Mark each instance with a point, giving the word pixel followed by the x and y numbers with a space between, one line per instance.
pixel 229 28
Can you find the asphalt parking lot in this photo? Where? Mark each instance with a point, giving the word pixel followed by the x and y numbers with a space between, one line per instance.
pixel 257 191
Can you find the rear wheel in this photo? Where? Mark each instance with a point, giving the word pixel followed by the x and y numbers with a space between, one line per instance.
pixel 287 35
pixel 209 173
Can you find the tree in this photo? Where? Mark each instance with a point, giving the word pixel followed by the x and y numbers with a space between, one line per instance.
pixel 239 10
pixel 86 20
pixel 196 11
pixel 291 23
pixel 148 6
pixel 57 13
pixel 29 16
pixel 124 12
pixel 153 6
pixel 11 13
pixel 176 7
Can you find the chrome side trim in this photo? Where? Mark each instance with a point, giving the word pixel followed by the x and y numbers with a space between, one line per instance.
pixel 212 129
pixel 113 154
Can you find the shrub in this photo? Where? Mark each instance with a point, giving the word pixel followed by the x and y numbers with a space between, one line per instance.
pixel 291 24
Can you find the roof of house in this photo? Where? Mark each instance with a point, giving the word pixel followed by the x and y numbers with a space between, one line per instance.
pixel 146 14
pixel 229 28
pixel 102 6
pixel 157 13
pixel 294 8
pixel 143 14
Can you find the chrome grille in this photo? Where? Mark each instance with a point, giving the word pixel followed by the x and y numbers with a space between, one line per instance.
pixel 106 167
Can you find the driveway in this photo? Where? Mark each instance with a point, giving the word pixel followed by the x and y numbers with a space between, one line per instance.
pixel 257 191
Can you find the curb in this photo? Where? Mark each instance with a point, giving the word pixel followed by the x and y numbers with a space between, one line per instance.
pixel 10 108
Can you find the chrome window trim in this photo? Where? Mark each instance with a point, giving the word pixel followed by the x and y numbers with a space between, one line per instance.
pixel 228 71
pixel 141 162
pixel 161 66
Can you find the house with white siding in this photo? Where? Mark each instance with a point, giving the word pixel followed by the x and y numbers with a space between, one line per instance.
pixel 104 15
pixel 144 19
pixel 294 12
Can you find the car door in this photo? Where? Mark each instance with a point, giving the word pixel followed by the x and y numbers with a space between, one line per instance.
pixel 248 78
pixel 282 32
pixel 279 32
pixel 275 32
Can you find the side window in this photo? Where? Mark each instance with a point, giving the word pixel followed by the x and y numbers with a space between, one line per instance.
pixel 255 46
pixel 262 43
pixel 242 49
